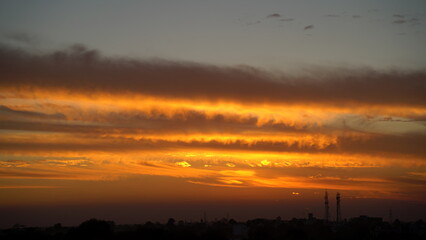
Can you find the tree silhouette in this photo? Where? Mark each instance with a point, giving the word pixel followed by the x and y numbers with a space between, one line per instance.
pixel 95 229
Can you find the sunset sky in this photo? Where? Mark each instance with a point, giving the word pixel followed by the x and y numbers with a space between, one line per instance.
pixel 144 110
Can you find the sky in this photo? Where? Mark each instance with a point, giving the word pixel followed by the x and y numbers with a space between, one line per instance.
pixel 144 110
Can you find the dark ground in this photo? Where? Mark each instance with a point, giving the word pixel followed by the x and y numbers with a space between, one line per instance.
pixel 362 227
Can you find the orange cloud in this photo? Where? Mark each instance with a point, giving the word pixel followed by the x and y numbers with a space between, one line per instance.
pixel 77 116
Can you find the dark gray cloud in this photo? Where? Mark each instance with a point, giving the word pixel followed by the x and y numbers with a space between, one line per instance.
pixel 308 27
pixel 29 114
pixel 274 15
pixel 85 71
pixel 142 123
pixel 391 119
pixel 385 145
pixel 287 19
pixel 126 145
pixel 399 21
pixel 380 145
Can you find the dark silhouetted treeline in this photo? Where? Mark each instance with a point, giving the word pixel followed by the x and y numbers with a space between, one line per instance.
pixel 362 227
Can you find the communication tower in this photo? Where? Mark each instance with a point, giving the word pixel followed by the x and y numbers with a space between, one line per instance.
pixel 327 207
pixel 338 213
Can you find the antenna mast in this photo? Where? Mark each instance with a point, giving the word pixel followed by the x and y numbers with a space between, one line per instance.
pixel 338 213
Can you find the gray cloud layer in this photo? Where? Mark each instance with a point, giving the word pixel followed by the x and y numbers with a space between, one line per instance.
pixel 81 70
pixel 379 145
